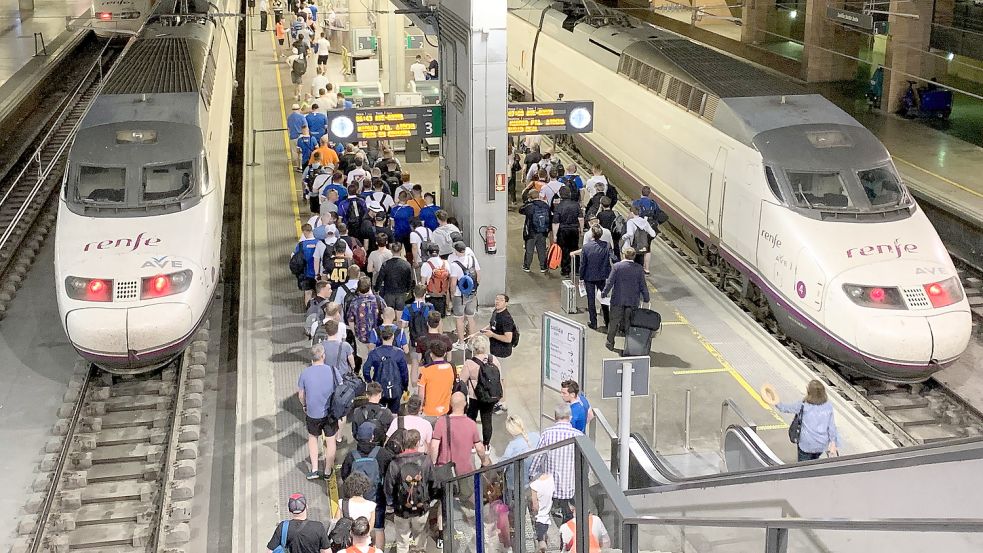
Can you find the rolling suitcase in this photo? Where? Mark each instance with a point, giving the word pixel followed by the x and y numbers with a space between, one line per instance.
pixel 569 296
pixel 642 328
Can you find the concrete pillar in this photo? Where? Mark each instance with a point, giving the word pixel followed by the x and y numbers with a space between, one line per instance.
pixel 823 39
pixel 473 75
pixel 907 42
pixel 754 21
pixel 392 46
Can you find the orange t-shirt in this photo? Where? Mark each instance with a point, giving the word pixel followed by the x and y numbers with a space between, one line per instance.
pixel 279 31
pixel 328 156
pixel 437 380
pixel 417 205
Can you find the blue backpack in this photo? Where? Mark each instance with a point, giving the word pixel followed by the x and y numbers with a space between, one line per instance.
pixel 282 548
pixel 388 376
pixel 369 466
pixel 540 223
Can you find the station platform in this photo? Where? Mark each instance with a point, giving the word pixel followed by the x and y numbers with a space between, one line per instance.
pixel 708 345
pixel 20 67
pixel 36 364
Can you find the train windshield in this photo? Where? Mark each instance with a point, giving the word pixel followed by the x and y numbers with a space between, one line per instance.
pixel 882 186
pixel 164 183
pixel 101 184
pixel 820 190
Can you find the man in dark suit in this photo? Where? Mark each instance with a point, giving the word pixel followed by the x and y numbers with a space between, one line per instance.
pixel 627 287
pixel 595 266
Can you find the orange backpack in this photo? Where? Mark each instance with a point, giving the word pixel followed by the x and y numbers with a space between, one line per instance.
pixel 440 279
pixel 553 257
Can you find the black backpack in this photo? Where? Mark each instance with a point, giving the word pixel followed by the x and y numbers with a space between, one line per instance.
pixel 418 321
pixel 488 386
pixel 354 214
pixel 411 495
pixel 298 263
pixel 395 441
pixel 540 220
pixel 515 336
pixel 379 416
pixel 299 65
pixel 341 533
pixel 571 183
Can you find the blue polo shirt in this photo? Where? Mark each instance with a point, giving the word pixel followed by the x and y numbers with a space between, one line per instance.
pixel 307 145
pixel 578 413
pixel 317 121
pixel 295 122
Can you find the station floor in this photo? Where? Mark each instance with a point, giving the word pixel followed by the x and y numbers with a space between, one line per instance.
pixel 17 30
pixel 708 345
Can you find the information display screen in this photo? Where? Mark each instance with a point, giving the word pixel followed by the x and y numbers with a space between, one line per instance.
pixel 352 125
pixel 550 117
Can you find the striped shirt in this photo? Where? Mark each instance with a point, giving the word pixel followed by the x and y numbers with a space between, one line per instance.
pixel 559 462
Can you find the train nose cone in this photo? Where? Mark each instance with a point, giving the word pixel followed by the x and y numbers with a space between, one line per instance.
pixel 950 334
pixel 118 332
pixel 896 337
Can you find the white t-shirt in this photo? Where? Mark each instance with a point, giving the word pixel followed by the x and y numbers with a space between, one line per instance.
pixel 357 172
pixel 636 223
pixel 357 509
pixel 544 487
pixel 385 200
pixel 552 188
pixel 467 259
pixel 419 235
pixel 605 237
pixel 375 261
pixel 318 83
pixel 591 185
pixel 322 46
pixel 419 71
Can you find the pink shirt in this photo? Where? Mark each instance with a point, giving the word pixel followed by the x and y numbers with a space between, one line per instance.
pixel 413 422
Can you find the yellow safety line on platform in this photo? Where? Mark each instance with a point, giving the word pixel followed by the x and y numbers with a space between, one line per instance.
pixel 665 323
pixel 738 377
pixel 781 426
pixel 286 139
pixel 940 177
pixel 700 371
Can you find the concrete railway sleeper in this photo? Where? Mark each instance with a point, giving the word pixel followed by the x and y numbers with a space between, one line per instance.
pixel 910 414
pixel 119 473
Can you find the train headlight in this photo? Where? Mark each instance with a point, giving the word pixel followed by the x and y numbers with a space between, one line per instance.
pixel 878 297
pixel 159 286
pixel 104 16
pixel 89 289
pixel 943 293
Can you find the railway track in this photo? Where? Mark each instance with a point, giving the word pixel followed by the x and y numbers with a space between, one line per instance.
pixel 27 190
pixel 119 474
pixel 910 414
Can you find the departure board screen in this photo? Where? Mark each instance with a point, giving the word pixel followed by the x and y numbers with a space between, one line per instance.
pixel 550 117
pixel 351 125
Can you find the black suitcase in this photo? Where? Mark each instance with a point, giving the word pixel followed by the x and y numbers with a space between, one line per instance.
pixel 646 318
pixel 638 342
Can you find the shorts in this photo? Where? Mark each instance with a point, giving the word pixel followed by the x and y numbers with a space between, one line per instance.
pixel 322 60
pixel 295 78
pixel 280 41
pixel 317 427
pixel 541 530
pixel 306 283
pixel 461 307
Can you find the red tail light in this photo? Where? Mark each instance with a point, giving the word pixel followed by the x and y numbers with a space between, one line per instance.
pixel 159 286
pixel 104 16
pixel 877 295
pixel 943 293
pixel 89 289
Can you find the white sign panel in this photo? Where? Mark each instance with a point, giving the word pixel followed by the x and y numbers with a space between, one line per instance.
pixel 563 350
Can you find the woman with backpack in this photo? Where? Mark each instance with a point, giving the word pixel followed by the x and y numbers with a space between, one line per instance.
pixel 482 376
pixel 351 508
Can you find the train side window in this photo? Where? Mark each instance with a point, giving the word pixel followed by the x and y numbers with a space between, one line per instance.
pixel 773 184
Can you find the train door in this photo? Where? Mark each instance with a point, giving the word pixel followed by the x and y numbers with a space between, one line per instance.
pixel 810 280
pixel 715 201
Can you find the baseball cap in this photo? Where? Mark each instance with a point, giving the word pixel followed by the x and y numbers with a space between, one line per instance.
pixel 295 106
pixel 366 432
pixel 380 216
pixel 297 503
pixel 460 246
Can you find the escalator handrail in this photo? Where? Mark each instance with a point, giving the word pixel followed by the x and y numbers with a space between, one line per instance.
pixel 968 449
pixel 756 446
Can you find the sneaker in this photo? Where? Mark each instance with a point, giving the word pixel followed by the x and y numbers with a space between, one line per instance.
pixel 526 269
pixel 499 409
pixel 544 271
pixel 314 475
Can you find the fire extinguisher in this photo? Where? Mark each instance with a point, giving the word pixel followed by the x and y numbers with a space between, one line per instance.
pixel 488 236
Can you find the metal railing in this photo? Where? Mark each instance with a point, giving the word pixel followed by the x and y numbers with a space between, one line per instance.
pixel 591 473
pixel 253 162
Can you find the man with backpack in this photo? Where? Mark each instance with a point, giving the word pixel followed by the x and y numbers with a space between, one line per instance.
pixel 443 235
pixel 411 420
pixel 298 534
pixel 395 279
pixel 568 219
pixel 436 275
pixel 386 368
pixel 364 313
pixel 503 336
pixel 315 389
pixel 414 321
pixel 302 263
pixel 573 181
pixel 407 485
pixel 639 234
pixel 535 230
pixel 372 460
pixel 465 277
pixel 421 239
pixel 351 211
pixel 482 376
pixel 335 269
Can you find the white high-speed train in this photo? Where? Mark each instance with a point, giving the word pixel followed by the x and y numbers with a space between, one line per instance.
pixel 140 215
pixel 781 189
pixel 111 17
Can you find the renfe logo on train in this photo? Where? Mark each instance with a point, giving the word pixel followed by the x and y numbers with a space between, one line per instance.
pixel 126 243
pixel 897 249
